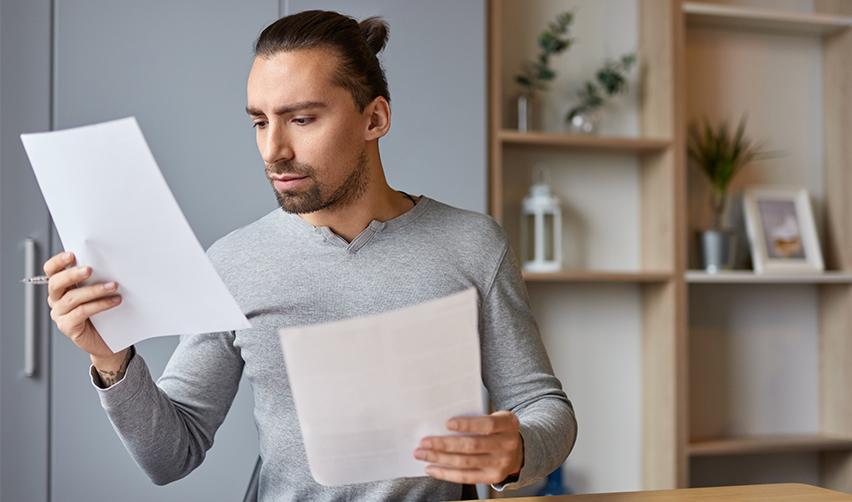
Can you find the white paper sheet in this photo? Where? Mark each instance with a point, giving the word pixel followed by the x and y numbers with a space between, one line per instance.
pixel 368 389
pixel 113 209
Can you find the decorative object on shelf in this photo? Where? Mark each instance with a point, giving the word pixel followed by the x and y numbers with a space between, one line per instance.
pixel 781 231
pixel 555 484
pixel 720 156
pixel 718 249
pixel 584 123
pixel 611 79
pixel 535 74
pixel 541 229
pixel 524 105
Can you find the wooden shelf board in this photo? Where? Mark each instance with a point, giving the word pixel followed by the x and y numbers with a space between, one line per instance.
pixel 749 277
pixel 726 16
pixel 583 141
pixel 597 276
pixel 780 443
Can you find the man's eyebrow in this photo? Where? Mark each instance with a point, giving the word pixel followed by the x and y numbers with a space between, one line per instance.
pixel 304 105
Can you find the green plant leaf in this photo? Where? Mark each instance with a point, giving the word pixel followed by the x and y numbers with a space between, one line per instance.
pixel 545 73
pixel 551 41
pixel 721 155
pixel 611 78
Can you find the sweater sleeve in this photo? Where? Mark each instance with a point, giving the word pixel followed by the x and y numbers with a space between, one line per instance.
pixel 168 426
pixel 519 377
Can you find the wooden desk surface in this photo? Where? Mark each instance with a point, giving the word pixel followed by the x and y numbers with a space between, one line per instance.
pixel 786 492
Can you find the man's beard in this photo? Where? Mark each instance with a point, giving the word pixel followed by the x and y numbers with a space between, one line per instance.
pixel 311 199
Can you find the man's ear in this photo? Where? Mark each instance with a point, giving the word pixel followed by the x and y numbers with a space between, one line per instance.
pixel 378 115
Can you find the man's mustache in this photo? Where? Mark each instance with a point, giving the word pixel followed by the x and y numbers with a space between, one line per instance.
pixel 291 168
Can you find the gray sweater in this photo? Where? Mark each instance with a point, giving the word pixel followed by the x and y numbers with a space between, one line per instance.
pixel 283 272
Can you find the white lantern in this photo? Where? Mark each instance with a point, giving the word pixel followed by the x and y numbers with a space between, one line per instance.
pixel 541 230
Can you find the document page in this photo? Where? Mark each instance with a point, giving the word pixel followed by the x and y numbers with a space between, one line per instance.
pixel 113 209
pixel 368 389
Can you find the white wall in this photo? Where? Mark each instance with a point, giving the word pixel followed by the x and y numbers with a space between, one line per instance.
pixel 592 335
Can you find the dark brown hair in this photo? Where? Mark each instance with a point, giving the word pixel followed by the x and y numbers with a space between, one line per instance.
pixel 356 44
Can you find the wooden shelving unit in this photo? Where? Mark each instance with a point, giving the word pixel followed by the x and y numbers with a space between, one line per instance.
pixel 667 286
pixel 753 445
pixel 748 277
pixel 732 16
pixel 778 42
pixel 659 152
pixel 581 276
pixel 583 142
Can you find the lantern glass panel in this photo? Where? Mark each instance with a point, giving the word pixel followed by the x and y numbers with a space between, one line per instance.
pixel 529 231
pixel 548 237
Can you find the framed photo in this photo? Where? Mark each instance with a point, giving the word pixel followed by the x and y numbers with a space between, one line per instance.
pixel 781 231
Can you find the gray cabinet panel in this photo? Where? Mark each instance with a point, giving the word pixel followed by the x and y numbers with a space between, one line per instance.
pixel 24 107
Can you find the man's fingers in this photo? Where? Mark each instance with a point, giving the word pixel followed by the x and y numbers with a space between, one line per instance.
pixel 79 296
pixel 457 444
pixel 57 262
pixel 492 443
pixel 464 476
pixel 499 421
pixel 458 460
pixel 81 313
pixel 61 282
pixel 493 449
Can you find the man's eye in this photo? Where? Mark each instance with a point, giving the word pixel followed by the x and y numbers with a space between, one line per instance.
pixel 256 124
pixel 303 120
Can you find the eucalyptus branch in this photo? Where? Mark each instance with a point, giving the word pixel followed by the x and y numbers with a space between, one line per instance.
pixel 610 79
pixel 536 74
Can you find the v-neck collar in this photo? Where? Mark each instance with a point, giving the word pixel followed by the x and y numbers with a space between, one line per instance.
pixel 373 228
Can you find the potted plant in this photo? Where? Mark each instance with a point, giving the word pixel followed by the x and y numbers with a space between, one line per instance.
pixel 720 156
pixel 610 79
pixel 536 74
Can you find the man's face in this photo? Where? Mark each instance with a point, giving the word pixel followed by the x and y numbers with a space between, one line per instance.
pixel 309 131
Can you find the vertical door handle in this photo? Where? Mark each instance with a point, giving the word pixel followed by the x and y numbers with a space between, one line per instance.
pixel 29 309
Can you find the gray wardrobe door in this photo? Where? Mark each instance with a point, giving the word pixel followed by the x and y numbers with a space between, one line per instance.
pixel 24 107
pixel 180 67
pixel 435 66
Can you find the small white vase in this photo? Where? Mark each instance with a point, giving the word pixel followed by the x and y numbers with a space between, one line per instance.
pixel 525 113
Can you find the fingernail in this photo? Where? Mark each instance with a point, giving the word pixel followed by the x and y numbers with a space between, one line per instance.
pixel 109 285
pixel 426 443
pixel 66 256
pixel 116 299
pixel 452 424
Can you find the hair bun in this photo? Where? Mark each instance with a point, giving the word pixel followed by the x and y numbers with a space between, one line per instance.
pixel 375 31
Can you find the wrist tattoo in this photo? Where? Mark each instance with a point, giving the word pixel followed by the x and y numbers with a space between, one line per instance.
pixel 108 377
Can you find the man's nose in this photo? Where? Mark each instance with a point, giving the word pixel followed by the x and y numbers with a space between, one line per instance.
pixel 278 145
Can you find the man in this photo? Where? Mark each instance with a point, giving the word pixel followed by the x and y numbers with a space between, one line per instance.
pixel 342 244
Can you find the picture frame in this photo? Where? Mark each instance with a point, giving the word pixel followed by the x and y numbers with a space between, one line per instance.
pixel 782 231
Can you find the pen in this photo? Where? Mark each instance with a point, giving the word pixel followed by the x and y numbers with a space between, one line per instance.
pixel 39 279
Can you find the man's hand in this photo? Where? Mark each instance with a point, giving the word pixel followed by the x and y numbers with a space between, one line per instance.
pixel 72 306
pixel 490 450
